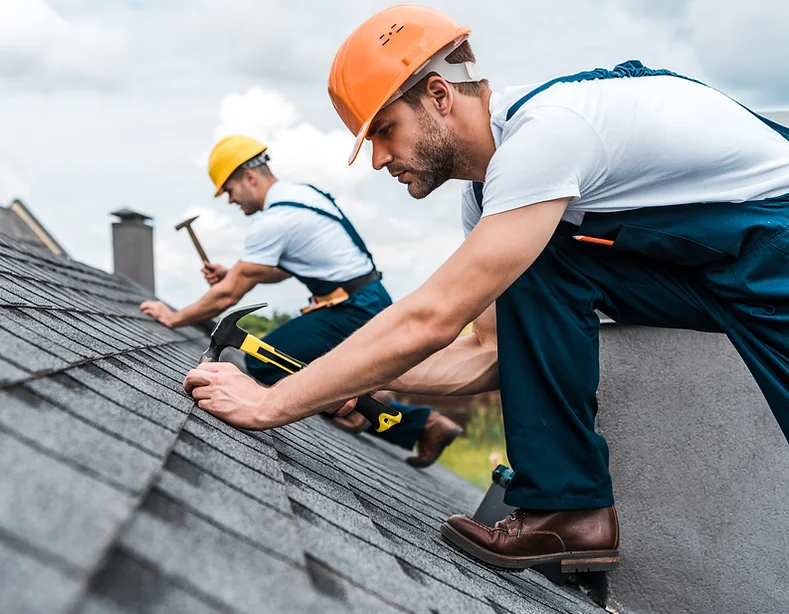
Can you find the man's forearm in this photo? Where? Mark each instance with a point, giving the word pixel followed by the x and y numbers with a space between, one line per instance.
pixel 467 366
pixel 211 305
pixel 405 334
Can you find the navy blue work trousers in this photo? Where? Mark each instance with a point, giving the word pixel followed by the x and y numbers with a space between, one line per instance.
pixel 718 267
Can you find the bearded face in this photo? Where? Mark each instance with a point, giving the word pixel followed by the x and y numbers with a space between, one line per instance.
pixel 416 148
pixel 434 157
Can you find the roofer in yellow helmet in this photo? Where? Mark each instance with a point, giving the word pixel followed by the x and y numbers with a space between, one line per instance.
pixel 298 231
pixel 636 191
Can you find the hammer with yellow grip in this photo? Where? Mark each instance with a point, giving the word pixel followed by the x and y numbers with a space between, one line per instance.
pixel 229 334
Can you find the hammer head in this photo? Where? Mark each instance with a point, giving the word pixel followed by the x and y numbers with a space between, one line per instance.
pixel 186 223
pixel 228 334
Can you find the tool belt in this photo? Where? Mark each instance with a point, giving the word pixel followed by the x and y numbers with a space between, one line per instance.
pixel 342 293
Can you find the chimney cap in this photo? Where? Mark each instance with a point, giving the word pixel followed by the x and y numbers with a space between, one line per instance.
pixel 127 215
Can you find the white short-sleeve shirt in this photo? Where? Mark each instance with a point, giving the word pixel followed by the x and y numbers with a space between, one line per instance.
pixel 301 241
pixel 626 143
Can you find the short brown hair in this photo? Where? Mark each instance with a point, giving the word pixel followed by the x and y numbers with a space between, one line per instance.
pixel 262 169
pixel 471 88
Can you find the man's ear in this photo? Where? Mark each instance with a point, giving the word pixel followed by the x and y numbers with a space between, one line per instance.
pixel 251 177
pixel 439 95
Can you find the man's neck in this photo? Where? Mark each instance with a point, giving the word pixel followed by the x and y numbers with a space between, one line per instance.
pixel 264 186
pixel 475 136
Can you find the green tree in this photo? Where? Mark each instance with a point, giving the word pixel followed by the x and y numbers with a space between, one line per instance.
pixel 262 325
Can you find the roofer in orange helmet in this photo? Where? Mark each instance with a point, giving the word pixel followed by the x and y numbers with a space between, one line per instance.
pixel 638 192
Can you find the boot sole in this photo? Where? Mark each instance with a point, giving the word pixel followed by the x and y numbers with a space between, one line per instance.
pixel 570 562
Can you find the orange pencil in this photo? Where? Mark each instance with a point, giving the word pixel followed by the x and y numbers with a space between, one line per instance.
pixel 593 240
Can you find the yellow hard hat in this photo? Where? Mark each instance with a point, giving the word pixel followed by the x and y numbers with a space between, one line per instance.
pixel 230 153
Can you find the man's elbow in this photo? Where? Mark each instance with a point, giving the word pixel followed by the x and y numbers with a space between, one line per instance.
pixel 226 301
pixel 438 327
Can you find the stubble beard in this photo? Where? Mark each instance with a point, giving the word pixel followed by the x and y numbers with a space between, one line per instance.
pixel 438 157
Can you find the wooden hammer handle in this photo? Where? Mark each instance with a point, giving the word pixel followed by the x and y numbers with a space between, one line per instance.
pixel 197 244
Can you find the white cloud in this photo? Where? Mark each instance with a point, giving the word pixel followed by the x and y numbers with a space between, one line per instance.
pixel 299 150
pixel 281 38
pixel 743 46
pixel 40 48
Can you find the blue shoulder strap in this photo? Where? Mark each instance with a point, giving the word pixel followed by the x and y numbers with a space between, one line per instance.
pixel 477 186
pixel 631 68
pixel 341 219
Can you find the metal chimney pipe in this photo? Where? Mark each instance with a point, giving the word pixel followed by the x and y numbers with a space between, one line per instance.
pixel 132 246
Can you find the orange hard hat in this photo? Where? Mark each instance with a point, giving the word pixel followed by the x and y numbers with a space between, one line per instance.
pixel 380 55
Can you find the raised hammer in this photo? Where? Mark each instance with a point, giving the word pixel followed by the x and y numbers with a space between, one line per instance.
pixel 188 225
pixel 228 334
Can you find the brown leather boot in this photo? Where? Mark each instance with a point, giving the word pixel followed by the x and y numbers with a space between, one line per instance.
pixel 438 433
pixel 580 540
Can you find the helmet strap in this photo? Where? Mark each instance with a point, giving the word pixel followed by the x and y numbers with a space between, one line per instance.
pixel 464 72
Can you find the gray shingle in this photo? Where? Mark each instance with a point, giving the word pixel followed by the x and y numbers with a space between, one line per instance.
pixel 86 345
pixel 126 395
pixel 230 570
pixel 46 335
pixel 72 439
pixel 28 586
pixel 161 374
pixel 254 519
pixel 32 295
pixel 175 397
pixel 8 298
pixel 99 342
pixel 204 425
pixel 125 585
pixel 66 392
pixel 33 358
pixel 238 465
pixel 10 373
pixel 57 508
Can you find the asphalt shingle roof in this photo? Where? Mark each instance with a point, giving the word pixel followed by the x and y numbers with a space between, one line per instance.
pixel 118 495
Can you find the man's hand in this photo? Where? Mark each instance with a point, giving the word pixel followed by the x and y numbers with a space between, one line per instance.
pixel 223 390
pixel 159 311
pixel 214 273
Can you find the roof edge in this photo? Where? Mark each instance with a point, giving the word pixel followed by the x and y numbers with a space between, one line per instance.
pixel 18 207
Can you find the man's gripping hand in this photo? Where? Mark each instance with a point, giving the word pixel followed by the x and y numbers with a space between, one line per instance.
pixel 213 273
pixel 223 390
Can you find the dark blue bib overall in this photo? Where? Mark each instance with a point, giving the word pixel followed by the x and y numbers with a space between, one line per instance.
pixel 311 335
pixel 721 267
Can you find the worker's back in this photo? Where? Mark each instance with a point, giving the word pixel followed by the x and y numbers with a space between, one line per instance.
pixel 624 143
pixel 289 233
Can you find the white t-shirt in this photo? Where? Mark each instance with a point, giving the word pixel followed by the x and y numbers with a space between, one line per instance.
pixel 301 241
pixel 626 143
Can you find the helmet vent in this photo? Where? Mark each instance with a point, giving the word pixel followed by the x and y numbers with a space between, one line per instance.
pixel 389 34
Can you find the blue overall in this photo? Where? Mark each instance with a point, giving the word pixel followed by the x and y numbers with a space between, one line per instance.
pixel 312 334
pixel 718 267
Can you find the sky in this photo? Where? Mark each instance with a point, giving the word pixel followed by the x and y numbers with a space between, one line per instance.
pixel 106 105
